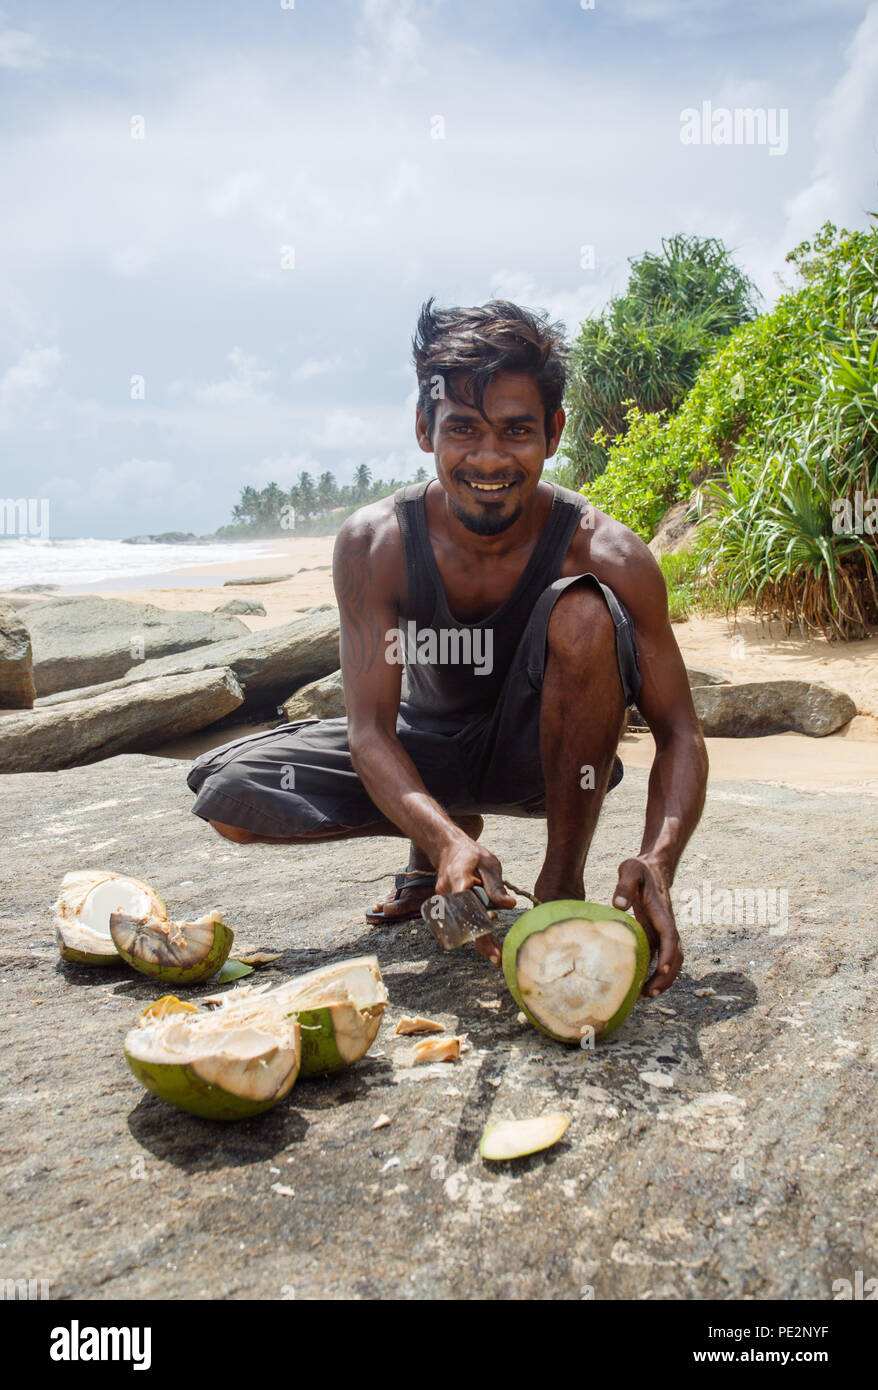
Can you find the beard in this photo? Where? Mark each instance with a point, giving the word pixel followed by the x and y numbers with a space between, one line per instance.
pixel 490 522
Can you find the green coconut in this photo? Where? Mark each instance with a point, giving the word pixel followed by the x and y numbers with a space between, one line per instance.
pixel 87 900
pixel 218 1067
pixel 339 1008
pixel 179 953
pixel 575 968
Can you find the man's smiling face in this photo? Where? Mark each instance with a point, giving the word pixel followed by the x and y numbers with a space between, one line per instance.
pixel 489 467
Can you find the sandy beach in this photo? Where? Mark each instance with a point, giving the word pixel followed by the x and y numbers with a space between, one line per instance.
pixel 745 650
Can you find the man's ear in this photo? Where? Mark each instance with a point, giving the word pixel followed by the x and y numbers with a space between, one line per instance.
pixel 559 419
pixel 422 433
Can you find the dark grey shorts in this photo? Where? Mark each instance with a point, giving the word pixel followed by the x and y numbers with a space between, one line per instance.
pixel 298 778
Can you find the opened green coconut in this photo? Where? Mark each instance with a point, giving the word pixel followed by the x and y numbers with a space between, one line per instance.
pixel 87 900
pixel 180 953
pixel 576 967
pixel 339 1009
pixel 213 1064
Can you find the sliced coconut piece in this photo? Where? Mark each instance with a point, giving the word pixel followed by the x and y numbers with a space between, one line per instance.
pixel 438 1050
pixel 82 912
pixel 216 1067
pixel 516 1138
pixel 407 1026
pixel 181 953
pixel 575 967
pixel 339 1008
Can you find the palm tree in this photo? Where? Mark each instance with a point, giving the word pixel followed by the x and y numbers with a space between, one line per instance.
pixel 362 482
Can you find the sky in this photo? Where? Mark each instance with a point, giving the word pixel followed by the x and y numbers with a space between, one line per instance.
pixel 220 219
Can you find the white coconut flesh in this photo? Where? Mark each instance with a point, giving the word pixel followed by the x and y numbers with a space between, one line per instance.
pixel 576 974
pixel 353 990
pixel 87 900
pixel 251 1060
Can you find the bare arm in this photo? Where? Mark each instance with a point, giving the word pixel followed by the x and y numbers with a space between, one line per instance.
pixel 368 573
pixel 678 777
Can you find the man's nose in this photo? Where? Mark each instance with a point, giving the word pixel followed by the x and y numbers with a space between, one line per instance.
pixel 487 451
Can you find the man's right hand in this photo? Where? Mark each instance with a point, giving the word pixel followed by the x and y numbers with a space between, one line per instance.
pixel 463 863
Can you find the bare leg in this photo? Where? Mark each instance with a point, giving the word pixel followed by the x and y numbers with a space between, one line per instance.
pixel 581 722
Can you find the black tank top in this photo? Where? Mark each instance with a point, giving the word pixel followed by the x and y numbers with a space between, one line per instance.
pixel 460 669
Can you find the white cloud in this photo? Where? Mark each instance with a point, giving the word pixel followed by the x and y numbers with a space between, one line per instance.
pixel 313 366
pixel 391 39
pixel 247 383
pixel 284 470
pixel 843 180
pixel 34 371
pixel 20 50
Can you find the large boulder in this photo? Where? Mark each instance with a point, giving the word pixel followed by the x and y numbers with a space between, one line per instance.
pixel 704 675
pixel 82 641
pixel 322 699
pixel 268 664
pixel 771 707
pixel 243 605
pixel 134 718
pixel 698 675
pixel 16 661
pixel 257 579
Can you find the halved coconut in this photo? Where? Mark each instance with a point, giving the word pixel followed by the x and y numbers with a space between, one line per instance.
pixel 87 900
pixel 517 1138
pixel 219 1067
pixel 339 1008
pixel 181 953
pixel 574 967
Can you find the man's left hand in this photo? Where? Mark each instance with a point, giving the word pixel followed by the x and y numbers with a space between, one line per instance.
pixel 643 890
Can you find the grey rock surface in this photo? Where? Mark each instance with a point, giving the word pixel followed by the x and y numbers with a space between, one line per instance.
pixel 137 716
pixel 83 641
pixel 705 675
pixel 268 664
pixel 17 689
pixel 772 707
pixel 323 699
pixel 243 605
pixel 719 1145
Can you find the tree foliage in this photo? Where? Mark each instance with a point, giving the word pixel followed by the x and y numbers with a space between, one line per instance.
pixel 643 352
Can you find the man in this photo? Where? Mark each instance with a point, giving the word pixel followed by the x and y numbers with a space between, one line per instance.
pixel 528 622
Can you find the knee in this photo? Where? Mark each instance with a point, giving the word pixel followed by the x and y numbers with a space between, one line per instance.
pixel 581 626
pixel 231 832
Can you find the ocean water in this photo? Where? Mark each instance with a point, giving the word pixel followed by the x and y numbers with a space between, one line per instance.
pixel 75 563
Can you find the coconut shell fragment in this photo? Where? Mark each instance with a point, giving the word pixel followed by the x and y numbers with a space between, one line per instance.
pixel 407 1026
pixel 517 1138
pixel 439 1049
pixel 182 953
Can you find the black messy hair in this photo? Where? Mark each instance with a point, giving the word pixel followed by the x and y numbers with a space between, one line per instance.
pixel 479 343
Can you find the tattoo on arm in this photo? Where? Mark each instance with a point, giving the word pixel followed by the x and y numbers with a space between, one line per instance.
pixel 360 629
